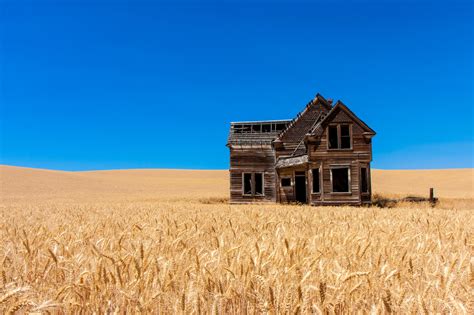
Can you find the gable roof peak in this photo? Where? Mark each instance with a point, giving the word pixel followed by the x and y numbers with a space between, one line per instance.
pixel 326 102
pixel 341 105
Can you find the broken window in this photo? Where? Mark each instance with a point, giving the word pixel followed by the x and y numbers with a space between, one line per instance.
pixel 333 139
pixel 345 137
pixel 339 137
pixel 247 183
pixel 340 179
pixel 286 182
pixel 258 183
pixel 256 128
pixel 246 128
pixel 236 129
pixel 316 180
pixel 280 127
pixel 253 184
pixel 364 187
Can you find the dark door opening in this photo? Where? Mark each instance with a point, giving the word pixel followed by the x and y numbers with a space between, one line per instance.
pixel 300 188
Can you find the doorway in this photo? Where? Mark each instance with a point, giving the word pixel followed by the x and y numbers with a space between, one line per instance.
pixel 300 187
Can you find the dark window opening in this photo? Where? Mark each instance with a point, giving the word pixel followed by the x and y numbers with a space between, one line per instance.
pixel 247 183
pixel 258 183
pixel 345 137
pixel 256 128
pixel 286 182
pixel 246 128
pixel 333 139
pixel 237 129
pixel 316 180
pixel 340 179
pixel 253 184
pixel 339 137
pixel 280 127
pixel 364 180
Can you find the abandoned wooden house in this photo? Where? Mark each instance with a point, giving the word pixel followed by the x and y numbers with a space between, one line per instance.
pixel 321 157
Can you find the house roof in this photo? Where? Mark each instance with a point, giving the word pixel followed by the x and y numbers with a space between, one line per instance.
pixel 318 128
pixel 292 133
pixel 255 133
pixel 304 120
pixel 293 136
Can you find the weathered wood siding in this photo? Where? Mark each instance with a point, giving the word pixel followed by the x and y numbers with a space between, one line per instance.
pixel 286 194
pixel 358 156
pixel 302 146
pixel 252 160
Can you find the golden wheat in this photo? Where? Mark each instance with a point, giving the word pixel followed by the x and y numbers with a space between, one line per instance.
pixel 187 257
pixel 130 241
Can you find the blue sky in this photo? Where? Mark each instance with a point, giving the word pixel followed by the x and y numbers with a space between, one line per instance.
pixel 115 84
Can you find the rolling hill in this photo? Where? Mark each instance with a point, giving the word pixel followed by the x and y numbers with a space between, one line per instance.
pixel 26 184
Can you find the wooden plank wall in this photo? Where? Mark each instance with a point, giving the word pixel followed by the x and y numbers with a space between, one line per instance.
pixel 359 155
pixel 252 159
pixel 262 159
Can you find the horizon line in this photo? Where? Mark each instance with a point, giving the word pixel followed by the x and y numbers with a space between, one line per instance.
pixel 195 169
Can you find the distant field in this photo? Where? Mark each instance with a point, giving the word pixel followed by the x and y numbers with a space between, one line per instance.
pixel 23 184
pixel 166 241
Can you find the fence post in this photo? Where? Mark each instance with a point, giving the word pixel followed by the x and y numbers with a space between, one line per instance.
pixel 432 199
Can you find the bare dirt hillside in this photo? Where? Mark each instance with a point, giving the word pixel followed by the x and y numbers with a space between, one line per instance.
pixel 26 184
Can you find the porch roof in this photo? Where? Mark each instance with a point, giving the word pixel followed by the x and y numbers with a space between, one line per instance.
pixel 291 161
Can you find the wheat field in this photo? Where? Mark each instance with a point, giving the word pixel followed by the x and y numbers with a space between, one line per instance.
pixel 149 241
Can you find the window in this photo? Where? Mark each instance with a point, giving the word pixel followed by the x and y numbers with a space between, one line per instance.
pixel 286 182
pixel 247 183
pixel 364 187
pixel 280 127
pixel 266 128
pixel 339 137
pixel 258 178
pixel 245 129
pixel 345 137
pixel 333 139
pixel 256 128
pixel 316 180
pixel 252 184
pixel 340 179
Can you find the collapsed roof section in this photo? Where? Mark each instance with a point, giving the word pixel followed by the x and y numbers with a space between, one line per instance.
pixel 291 132
pixel 255 133
pixel 292 138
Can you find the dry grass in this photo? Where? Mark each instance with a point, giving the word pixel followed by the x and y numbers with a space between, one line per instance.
pixel 81 250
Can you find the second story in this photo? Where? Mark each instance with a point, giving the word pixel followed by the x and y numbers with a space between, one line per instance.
pixel 320 131
pixel 340 134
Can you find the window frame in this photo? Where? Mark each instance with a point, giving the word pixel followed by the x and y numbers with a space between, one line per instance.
pixel 319 181
pixel 339 139
pixel 253 184
pixel 349 180
pixel 367 176
pixel 243 184
pixel 291 182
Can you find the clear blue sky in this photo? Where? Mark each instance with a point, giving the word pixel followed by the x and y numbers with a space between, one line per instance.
pixel 114 84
